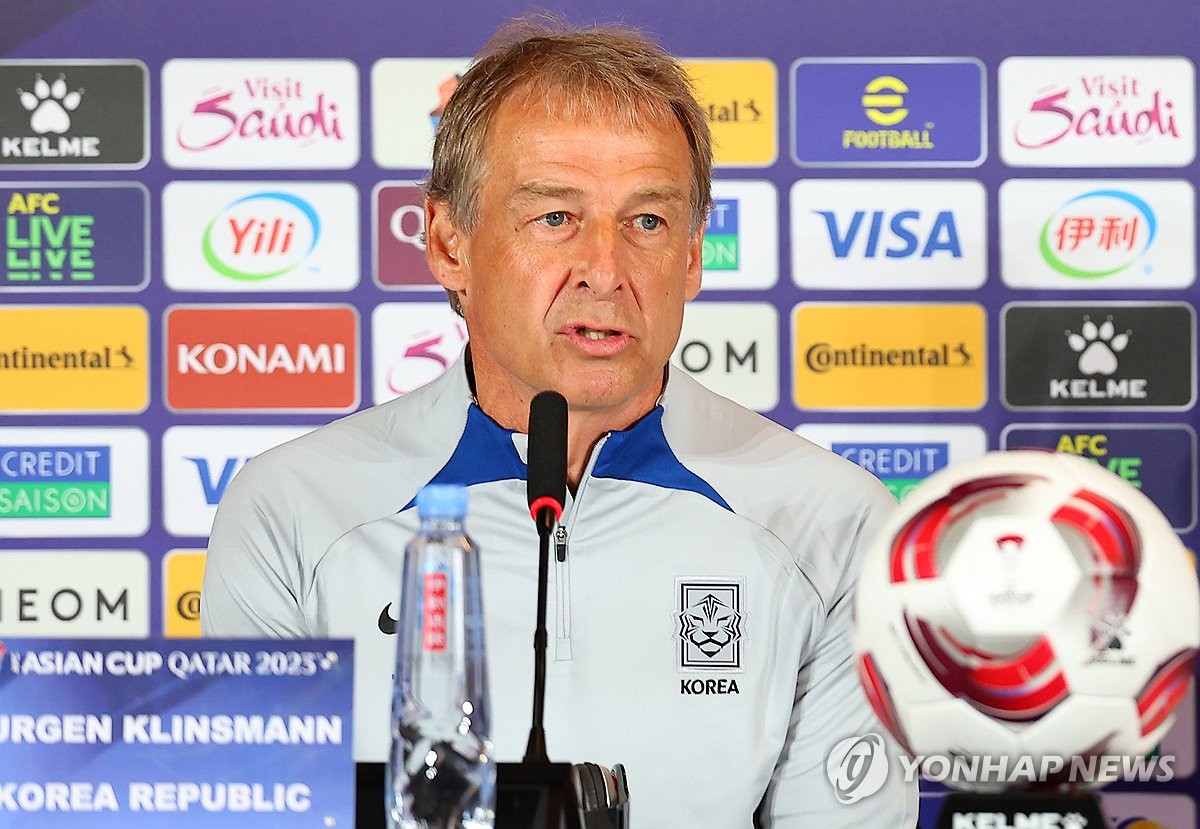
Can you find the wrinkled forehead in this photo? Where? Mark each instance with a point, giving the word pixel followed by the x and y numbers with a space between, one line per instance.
pixel 621 109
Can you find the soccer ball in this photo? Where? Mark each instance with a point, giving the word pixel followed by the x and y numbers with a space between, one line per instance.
pixel 1026 604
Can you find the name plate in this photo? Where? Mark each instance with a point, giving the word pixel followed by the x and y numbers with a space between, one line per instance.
pixel 179 733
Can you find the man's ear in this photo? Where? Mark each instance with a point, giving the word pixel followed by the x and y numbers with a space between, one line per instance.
pixel 442 246
pixel 695 264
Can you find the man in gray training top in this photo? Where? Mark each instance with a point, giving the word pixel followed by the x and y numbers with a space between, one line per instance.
pixel 700 619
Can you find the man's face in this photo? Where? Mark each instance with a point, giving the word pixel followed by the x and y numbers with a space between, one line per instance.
pixel 575 276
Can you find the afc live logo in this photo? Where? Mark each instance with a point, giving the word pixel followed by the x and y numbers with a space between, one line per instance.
pixel 260 114
pixel 61 236
pixel 262 358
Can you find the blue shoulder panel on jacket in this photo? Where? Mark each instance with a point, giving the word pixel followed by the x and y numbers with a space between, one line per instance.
pixel 641 453
pixel 485 454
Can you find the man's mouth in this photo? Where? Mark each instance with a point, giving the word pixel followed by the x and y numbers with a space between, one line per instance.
pixel 596 333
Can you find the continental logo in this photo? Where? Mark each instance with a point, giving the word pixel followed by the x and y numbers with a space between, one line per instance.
pixel 738 97
pixel 889 356
pixel 183 573
pixel 74 359
pixel 287 358
pixel 890 112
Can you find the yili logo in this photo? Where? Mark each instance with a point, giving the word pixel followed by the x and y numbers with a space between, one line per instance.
pixel 720 251
pixel 261 236
pixel 1098 234
pixel 55 482
pixel 77 113
pixel 74 236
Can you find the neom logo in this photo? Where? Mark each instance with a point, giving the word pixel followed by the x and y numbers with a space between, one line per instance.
pixel 267 357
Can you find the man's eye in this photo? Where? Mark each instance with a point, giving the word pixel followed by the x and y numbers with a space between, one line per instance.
pixel 647 221
pixel 556 219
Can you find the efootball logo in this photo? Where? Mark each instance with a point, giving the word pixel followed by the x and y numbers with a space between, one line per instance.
pixel 710 625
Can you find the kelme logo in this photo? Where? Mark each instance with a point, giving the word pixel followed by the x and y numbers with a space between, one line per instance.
pixel 1098 233
pixel 261 236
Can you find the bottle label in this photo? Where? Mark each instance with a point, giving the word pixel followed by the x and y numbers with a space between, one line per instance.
pixel 433 622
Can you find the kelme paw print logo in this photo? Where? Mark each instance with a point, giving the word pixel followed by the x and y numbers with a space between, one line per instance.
pixel 50 104
pixel 1098 346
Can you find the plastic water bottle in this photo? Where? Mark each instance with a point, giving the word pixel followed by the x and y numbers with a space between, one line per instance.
pixel 441 773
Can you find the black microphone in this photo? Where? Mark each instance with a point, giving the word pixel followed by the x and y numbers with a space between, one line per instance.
pixel 547 459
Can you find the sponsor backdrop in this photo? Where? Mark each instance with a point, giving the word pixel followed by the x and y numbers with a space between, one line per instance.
pixel 939 229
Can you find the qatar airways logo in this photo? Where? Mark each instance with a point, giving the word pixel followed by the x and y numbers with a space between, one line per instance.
pixel 291 358
pixel 260 114
pixel 1088 112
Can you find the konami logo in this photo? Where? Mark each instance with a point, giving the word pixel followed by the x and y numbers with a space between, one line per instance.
pixel 261 358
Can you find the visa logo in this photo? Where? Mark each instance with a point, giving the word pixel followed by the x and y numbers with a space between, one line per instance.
pixel 214 481
pixel 901 234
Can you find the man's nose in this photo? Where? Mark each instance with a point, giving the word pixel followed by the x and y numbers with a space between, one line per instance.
pixel 599 266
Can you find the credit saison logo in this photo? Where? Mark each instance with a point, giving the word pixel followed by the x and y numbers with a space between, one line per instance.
pixel 269 114
pixel 287 357
pixel 888 111
pixel 76 113
pixel 1103 111
pixel 720 251
pixel 74 235
pixel 901 466
pixel 1098 233
pixel 55 482
pixel 1106 356
pixel 261 236
pixel 883 104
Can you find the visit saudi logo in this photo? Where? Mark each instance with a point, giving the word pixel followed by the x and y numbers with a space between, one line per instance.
pixel 1098 233
pixel 261 236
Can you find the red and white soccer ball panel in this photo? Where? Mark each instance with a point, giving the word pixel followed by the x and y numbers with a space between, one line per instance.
pixel 1011 576
pixel 1106 670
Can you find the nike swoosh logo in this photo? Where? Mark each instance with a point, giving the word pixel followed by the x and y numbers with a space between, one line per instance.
pixel 386 623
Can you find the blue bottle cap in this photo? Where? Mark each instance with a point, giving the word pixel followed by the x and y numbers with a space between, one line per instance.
pixel 442 501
